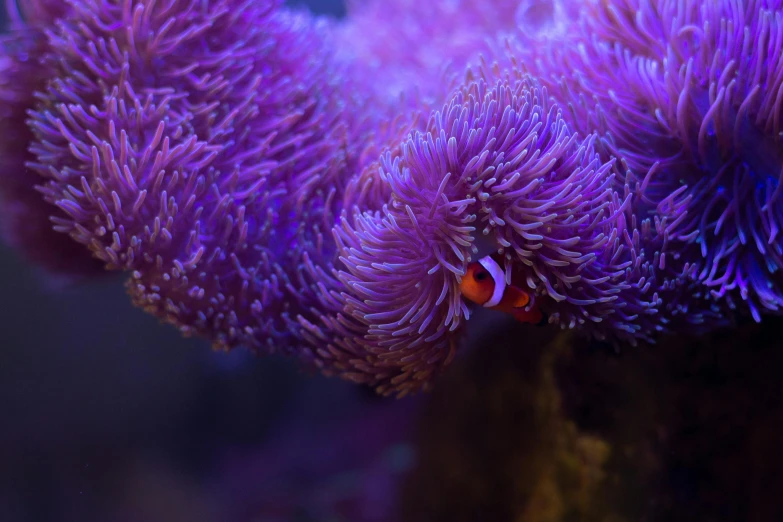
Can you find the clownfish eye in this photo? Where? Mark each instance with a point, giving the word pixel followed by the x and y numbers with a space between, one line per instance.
pixel 481 275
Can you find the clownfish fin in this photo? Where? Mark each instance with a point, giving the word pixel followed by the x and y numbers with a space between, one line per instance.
pixel 533 316
pixel 516 298
pixel 523 307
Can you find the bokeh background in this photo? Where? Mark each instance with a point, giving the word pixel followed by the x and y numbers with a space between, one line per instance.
pixel 107 416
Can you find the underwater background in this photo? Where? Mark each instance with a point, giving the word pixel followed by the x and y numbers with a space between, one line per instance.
pixel 106 415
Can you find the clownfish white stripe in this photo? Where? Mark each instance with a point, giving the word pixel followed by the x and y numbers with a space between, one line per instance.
pixel 498 276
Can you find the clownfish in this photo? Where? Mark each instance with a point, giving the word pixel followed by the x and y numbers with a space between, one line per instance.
pixel 484 283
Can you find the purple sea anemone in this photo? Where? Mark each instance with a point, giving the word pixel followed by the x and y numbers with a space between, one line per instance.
pixel 498 162
pixel 724 68
pixel 686 95
pixel 202 146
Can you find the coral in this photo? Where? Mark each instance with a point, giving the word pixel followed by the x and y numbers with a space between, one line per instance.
pixel 695 416
pixel 496 438
pixel 560 429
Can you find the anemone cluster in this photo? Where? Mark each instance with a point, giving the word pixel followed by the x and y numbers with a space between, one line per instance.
pixel 688 95
pixel 318 188
pixel 199 146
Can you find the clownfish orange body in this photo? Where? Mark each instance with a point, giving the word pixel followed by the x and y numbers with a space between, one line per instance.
pixel 484 283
